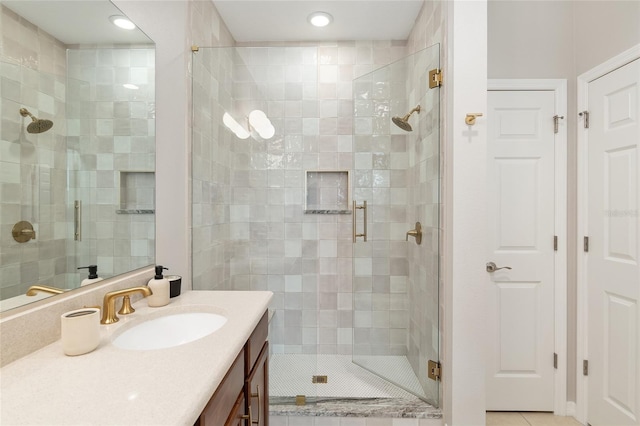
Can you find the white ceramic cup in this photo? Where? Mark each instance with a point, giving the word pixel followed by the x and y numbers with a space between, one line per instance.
pixel 80 331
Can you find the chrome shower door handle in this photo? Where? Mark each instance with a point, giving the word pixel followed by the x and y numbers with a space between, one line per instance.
pixel 491 267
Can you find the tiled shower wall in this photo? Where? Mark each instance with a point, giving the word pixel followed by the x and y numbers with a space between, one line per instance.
pixel 210 148
pixel 305 259
pixel 32 166
pixel 212 162
pixel 111 141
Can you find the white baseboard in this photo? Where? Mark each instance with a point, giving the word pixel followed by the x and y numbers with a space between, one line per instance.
pixel 571 409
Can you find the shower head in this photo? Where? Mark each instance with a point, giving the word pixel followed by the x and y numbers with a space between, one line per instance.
pixel 403 122
pixel 37 125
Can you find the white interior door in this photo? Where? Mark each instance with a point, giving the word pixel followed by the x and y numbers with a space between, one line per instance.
pixel 613 275
pixel 520 173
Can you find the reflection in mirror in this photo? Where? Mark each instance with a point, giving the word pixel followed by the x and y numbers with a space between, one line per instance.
pixel 77 147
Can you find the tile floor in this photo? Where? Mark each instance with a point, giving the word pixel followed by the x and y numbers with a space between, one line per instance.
pixel 502 418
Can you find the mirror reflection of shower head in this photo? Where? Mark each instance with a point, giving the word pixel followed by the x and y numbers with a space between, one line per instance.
pixel 37 125
pixel 403 122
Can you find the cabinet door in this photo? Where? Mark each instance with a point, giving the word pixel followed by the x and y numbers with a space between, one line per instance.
pixel 237 416
pixel 225 397
pixel 258 389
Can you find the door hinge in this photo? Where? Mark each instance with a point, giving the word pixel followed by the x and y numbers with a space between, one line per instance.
pixel 555 122
pixel 555 243
pixel 435 78
pixel 433 370
pixel 585 114
pixel 585 367
pixel 555 360
pixel 585 244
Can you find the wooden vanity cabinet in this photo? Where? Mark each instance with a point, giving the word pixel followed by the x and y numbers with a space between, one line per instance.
pixel 243 394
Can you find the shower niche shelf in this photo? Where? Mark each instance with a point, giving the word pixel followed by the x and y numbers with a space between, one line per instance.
pixel 327 192
pixel 137 192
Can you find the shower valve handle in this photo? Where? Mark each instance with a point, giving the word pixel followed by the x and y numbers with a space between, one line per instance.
pixel 415 233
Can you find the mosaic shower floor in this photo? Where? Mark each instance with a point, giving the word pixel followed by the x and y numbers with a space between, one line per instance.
pixel 350 391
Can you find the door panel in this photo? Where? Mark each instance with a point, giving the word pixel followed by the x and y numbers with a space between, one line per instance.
pixel 613 275
pixel 520 173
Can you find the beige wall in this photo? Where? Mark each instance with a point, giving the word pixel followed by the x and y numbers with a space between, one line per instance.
pixel 560 39
pixel 602 30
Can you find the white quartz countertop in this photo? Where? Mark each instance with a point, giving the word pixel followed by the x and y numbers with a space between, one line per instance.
pixel 112 386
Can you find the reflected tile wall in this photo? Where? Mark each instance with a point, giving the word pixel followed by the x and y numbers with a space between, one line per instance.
pixel 111 135
pixel 32 166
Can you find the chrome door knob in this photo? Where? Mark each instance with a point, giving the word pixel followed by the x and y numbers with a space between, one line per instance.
pixel 491 267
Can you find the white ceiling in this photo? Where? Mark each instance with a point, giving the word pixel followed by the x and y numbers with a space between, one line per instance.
pixel 286 20
pixel 86 22
pixel 76 22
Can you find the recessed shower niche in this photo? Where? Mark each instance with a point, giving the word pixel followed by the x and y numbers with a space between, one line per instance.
pixel 327 192
pixel 137 192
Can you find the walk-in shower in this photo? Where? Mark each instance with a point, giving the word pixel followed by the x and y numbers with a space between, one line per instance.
pixel 349 320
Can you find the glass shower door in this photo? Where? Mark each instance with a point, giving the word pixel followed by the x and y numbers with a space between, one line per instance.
pixel 248 216
pixel 396 265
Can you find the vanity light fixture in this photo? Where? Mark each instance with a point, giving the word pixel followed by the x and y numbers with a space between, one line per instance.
pixel 130 86
pixel 122 22
pixel 320 19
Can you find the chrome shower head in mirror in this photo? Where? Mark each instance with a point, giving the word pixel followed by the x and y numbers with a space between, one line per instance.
pixel 403 122
pixel 37 125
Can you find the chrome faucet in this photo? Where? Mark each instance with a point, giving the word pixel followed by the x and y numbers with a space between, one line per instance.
pixel 35 289
pixel 109 303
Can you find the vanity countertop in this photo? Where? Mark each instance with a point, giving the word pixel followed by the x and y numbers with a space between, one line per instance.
pixel 112 386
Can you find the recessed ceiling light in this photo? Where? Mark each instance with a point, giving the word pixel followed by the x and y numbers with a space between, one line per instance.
pixel 122 22
pixel 130 86
pixel 320 19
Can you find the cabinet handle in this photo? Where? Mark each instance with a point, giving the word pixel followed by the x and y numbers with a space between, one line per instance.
pixel 254 395
pixel 248 416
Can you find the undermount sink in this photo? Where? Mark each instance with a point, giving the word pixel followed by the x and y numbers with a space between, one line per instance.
pixel 169 331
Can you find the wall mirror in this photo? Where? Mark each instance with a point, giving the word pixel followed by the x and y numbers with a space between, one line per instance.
pixel 77 146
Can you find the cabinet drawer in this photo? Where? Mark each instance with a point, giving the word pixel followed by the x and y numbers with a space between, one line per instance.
pixel 256 341
pixel 223 400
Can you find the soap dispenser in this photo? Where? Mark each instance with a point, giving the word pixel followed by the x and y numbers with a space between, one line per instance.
pixel 159 286
pixel 93 275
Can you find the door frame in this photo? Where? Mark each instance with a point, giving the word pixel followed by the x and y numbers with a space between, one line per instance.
pixel 559 87
pixel 582 385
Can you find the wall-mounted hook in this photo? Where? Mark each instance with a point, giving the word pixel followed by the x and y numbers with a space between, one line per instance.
pixel 470 119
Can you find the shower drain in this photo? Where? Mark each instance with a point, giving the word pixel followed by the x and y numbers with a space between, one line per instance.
pixel 319 379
